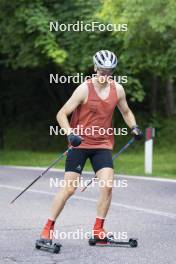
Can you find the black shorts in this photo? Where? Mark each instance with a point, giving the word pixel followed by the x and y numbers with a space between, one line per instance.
pixel 99 158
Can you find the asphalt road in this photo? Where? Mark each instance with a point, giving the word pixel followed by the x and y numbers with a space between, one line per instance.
pixel 145 209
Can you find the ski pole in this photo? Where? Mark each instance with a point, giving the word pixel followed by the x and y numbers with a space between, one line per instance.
pixel 113 158
pixel 45 171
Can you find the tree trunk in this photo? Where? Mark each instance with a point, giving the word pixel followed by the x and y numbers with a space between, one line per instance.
pixel 1 129
pixel 169 100
pixel 154 97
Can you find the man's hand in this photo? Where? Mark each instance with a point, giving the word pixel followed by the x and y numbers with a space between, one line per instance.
pixel 136 132
pixel 74 140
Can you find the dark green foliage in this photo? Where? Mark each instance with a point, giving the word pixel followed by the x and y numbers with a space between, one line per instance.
pixel 29 52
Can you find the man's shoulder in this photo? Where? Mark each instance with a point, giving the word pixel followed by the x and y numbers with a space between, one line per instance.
pixel 119 88
pixel 82 86
pixel 81 91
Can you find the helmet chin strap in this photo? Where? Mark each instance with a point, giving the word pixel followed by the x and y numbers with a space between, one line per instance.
pixel 102 84
pixel 98 77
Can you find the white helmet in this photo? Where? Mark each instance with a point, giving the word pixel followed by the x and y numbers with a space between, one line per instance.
pixel 105 59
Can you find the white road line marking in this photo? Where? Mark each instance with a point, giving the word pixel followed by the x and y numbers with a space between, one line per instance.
pixel 148 178
pixel 126 206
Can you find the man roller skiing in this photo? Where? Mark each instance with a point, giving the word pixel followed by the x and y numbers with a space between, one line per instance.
pixel 92 105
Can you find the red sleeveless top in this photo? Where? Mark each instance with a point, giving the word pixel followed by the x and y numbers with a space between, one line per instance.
pixel 94 119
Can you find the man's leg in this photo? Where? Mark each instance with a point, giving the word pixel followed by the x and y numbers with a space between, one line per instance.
pixel 105 177
pixel 75 161
pixel 101 160
pixel 71 180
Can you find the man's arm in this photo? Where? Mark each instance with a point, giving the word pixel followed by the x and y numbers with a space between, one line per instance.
pixel 124 108
pixel 127 113
pixel 78 97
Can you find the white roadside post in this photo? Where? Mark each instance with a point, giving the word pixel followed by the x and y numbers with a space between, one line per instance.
pixel 149 135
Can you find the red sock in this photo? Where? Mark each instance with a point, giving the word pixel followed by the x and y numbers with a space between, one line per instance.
pixel 99 223
pixel 46 232
pixel 98 230
pixel 50 223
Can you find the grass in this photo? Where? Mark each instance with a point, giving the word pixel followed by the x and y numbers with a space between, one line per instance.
pixel 128 163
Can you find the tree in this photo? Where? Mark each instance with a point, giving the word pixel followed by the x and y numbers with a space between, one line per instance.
pixel 150 42
pixel 25 37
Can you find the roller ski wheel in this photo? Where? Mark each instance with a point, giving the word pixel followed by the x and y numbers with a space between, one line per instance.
pixel 43 244
pixel 97 241
pixel 133 242
pixel 92 241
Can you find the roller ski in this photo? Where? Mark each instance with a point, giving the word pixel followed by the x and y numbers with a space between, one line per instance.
pixel 100 237
pixel 48 246
pixel 110 241
pixel 45 241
